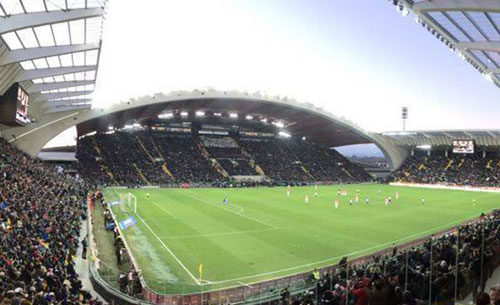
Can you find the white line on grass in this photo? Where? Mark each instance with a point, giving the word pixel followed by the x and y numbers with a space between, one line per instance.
pixel 236 280
pixel 163 209
pixel 217 206
pixel 217 234
pixel 168 249
pixel 241 283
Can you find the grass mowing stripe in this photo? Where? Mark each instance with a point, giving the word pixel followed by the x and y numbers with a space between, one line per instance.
pixel 168 249
pixel 217 206
pixel 384 245
pixel 308 234
pixel 217 234
pixel 163 209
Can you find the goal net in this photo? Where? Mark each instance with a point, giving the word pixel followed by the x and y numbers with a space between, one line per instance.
pixel 130 200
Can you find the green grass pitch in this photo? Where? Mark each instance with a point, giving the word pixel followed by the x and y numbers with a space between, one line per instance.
pixel 262 233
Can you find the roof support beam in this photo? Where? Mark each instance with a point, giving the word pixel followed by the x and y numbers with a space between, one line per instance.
pixel 50 96
pixel 21 21
pixel 55 104
pixel 68 108
pixel 15 56
pixel 492 71
pixel 482 46
pixel 458 5
pixel 39 73
pixel 52 86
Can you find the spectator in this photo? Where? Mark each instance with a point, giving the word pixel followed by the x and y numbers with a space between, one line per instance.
pixel 495 295
pixel 40 216
pixel 482 299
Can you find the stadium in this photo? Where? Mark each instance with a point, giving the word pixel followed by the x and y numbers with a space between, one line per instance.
pixel 192 195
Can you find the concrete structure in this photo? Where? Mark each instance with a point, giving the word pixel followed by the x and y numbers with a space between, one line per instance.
pixel 283 113
pixel 52 49
pixel 471 28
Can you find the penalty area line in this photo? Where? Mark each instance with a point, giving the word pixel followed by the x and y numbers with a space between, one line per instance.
pixel 163 209
pixel 333 259
pixel 217 234
pixel 168 249
pixel 235 213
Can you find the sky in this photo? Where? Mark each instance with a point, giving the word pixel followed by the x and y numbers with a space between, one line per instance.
pixel 361 60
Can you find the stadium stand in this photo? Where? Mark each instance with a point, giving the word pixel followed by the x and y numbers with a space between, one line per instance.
pixel 163 158
pixel 229 155
pixel 472 170
pixel 297 160
pixel 41 213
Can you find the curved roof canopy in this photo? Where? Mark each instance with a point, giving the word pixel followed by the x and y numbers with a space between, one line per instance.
pixel 252 113
pixel 469 27
pixel 486 139
pixel 52 48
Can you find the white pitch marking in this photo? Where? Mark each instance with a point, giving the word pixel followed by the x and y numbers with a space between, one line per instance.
pixel 217 234
pixel 241 283
pixel 163 209
pixel 168 249
pixel 217 206
pixel 349 254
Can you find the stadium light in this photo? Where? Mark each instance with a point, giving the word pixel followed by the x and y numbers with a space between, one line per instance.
pixel 217 114
pixel 167 115
pixel 279 124
pixel 303 138
pixel 424 146
pixel 249 117
pixel 233 115
pixel 487 76
pixel 200 113
pixel 184 113
pixel 264 120
pixel 110 127
pixel 284 134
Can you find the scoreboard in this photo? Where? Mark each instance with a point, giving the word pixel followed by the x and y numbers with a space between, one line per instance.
pixel 463 146
pixel 14 106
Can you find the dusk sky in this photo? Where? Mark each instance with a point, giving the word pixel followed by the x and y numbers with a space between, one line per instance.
pixel 358 59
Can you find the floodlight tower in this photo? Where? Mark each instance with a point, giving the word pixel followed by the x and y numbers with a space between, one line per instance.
pixel 404 116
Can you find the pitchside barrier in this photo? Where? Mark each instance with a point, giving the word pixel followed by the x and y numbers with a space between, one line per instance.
pixel 269 291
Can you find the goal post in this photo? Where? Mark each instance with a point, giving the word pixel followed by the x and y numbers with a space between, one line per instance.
pixel 130 200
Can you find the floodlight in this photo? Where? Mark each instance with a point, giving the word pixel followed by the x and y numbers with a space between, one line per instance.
pixel 284 134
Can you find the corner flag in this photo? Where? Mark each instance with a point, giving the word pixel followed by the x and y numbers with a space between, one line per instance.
pixel 200 269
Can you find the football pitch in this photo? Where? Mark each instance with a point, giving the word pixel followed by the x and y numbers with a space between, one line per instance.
pixel 261 233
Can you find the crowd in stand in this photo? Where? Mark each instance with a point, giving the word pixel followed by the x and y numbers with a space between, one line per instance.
pixel 229 155
pixel 430 270
pixel 459 169
pixel 91 166
pixel 298 160
pixel 40 212
pixel 185 160
pixel 142 157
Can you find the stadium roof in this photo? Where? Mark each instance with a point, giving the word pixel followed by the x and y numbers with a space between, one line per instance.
pixel 444 138
pixel 237 109
pixel 471 28
pixel 52 48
